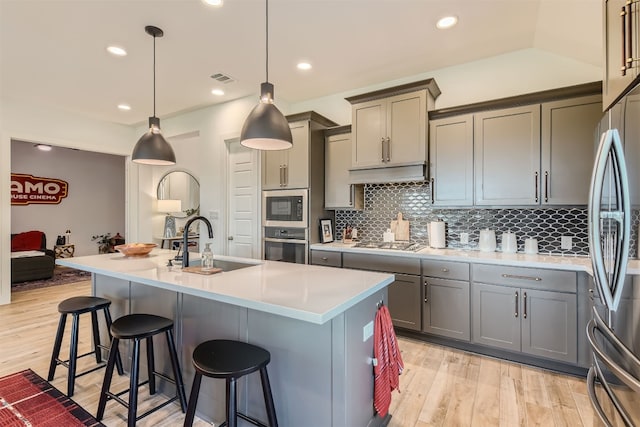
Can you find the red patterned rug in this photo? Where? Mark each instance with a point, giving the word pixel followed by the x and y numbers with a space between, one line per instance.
pixel 28 400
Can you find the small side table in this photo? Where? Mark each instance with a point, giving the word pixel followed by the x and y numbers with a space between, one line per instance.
pixel 64 251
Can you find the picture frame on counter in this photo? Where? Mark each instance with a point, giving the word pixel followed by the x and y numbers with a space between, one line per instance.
pixel 326 230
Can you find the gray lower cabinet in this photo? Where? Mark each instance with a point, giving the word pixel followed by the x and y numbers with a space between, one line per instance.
pixel 405 293
pixel 446 307
pixel 540 320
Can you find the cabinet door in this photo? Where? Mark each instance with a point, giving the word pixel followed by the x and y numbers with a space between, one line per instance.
pixel 446 308
pixel 620 19
pixel 496 316
pixel 549 325
pixel 337 190
pixel 406 129
pixel 567 149
pixel 369 132
pixel 451 159
pixel 405 302
pixel 507 161
pixel 273 164
pixel 296 174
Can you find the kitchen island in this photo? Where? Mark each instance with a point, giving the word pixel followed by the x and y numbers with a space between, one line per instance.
pixel 316 322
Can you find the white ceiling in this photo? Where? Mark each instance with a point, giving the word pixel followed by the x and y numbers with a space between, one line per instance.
pixel 52 52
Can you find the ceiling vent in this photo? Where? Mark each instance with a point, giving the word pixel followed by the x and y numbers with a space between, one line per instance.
pixel 222 78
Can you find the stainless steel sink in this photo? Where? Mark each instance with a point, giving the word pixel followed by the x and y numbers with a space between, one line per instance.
pixel 224 265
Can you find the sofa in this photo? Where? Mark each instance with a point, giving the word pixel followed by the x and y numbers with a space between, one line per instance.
pixel 30 258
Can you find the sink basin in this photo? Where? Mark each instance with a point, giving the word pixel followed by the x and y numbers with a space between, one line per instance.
pixel 224 265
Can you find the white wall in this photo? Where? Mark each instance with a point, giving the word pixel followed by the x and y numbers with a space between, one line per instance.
pixel 95 202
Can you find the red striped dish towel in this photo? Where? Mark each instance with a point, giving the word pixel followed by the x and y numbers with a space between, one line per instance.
pixel 388 363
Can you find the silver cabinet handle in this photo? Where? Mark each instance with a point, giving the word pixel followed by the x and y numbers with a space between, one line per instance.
pixel 286 175
pixel 515 276
pixel 623 26
pixel 433 184
pixel 445 270
pixel 388 149
pixel 535 180
pixel 525 306
pixel 382 149
pixel 516 303
pixel 281 175
pixel 426 293
pixel 230 238
pixel 324 258
pixel 546 186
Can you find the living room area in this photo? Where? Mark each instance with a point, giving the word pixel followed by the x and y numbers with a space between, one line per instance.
pixel 64 202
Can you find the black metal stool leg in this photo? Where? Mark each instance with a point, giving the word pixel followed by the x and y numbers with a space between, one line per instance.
pixel 106 384
pixel 193 400
pixel 151 366
pixel 107 317
pixel 177 374
pixel 96 336
pixel 133 384
pixel 268 398
pixel 55 354
pixel 232 404
pixel 73 354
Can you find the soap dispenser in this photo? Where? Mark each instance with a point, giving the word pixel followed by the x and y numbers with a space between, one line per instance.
pixel 207 257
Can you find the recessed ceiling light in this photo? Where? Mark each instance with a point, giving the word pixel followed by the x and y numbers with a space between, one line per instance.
pixel 447 22
pixel 124 107
pixel 43 147
pixel 304 66
pixel 117 51
pixel 213 2
pixel 217 92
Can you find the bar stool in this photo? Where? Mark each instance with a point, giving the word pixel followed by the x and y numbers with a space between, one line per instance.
pixel 137 327
pixel 77 306
pixel 231 360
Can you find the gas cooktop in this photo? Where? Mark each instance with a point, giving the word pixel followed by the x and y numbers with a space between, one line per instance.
pixel 400 246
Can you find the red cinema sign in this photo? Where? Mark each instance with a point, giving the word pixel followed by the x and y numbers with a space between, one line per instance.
pixel 29 189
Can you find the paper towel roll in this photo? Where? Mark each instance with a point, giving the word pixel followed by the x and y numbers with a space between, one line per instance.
pixel 437 237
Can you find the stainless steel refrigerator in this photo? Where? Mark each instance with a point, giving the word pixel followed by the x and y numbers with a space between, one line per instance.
pixel 614 202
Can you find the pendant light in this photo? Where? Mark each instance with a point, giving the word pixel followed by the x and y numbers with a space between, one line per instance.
pixel 152 148
pixel 266 128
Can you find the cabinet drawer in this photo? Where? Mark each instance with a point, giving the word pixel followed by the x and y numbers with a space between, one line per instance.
pixel 445 269
pixel 392 264
pixel 534 278
pixel 329 258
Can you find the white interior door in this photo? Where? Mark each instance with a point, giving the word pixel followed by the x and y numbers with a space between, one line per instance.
pixel 243 208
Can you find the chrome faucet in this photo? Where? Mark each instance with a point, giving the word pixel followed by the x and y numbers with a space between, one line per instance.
pixel 185 237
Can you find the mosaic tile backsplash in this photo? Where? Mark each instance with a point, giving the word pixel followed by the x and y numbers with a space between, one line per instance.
pixel 384 201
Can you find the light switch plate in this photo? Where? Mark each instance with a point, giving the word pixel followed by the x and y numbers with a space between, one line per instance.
pixel 566 242
pixel 464 238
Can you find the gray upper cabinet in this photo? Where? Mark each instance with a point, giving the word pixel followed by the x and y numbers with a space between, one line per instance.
pixel 507 156
pixel 451 161
pixel 301 166
pixel 288 168
pixel 390 131
pixel 338 192
pixel 621 49
pixel 567 149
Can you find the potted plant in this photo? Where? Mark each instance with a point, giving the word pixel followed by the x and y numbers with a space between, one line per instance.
pixel 104 243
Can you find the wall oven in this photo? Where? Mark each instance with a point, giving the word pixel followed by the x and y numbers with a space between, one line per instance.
pixel 286 244
pixel 285 208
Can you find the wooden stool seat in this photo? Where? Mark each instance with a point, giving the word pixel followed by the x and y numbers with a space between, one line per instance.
pixel 139 327
pixel 231 360
pixel 76 306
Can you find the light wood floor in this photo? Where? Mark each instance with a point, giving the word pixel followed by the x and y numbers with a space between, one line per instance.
pixel 439 387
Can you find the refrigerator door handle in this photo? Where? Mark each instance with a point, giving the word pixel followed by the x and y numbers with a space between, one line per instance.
pixel 610 264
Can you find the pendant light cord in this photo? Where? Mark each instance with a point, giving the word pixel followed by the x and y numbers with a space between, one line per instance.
pixel 154 75
pixel 267 38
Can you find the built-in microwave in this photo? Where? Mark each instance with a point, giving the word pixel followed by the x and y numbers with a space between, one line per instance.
pixel 285 208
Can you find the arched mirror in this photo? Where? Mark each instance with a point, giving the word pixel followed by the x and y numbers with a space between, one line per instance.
pixel 181 185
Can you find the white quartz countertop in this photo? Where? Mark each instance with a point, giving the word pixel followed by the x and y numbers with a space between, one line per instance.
pixel 554 262
pixel 308 293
